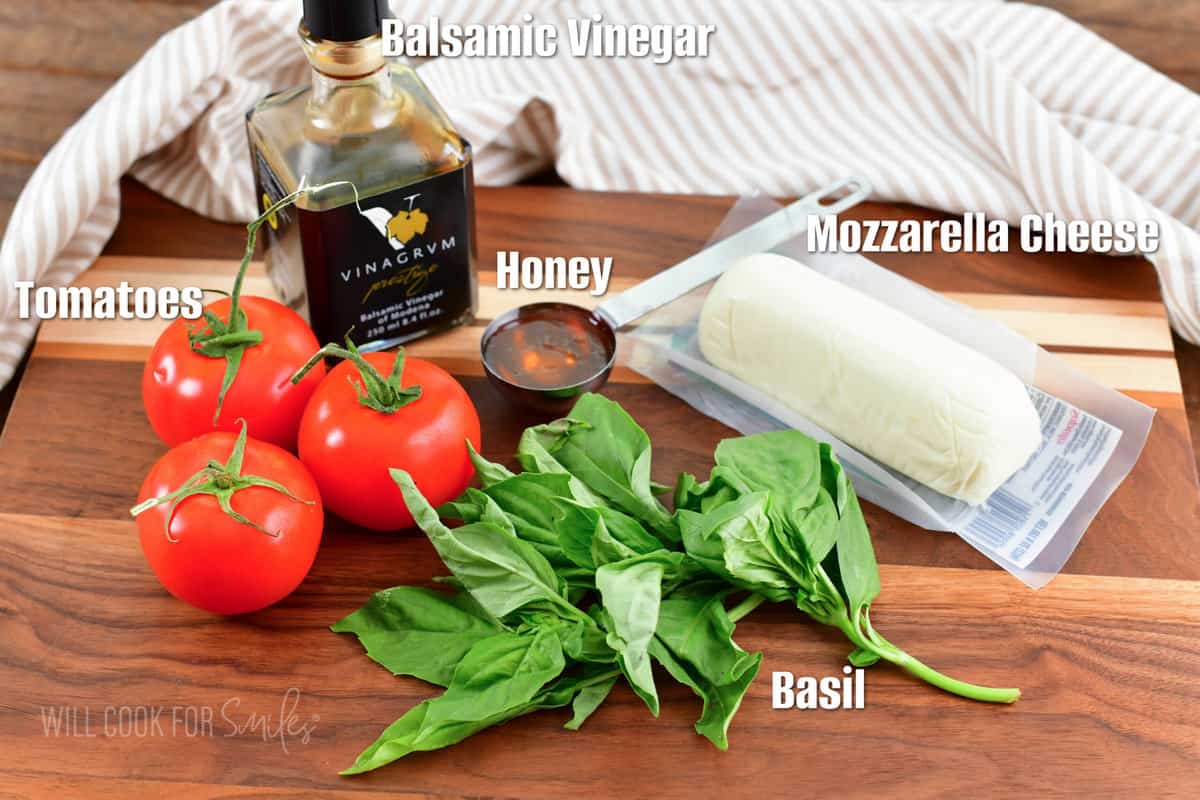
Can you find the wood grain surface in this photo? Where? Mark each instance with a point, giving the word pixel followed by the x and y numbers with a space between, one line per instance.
pixel 1108 655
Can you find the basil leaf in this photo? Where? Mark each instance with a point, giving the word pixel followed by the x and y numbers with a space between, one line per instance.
pixel 619 536
pixel 491 512
pixel 534 456
pixel 628 531
pixel 610 454
pixel 579 580
pixel 737 542
pixel 834 478
pixel 723 486
pixel 565 688
pixel 489 472
pixel 585 641
pixel 463 508
pixel 688 492
pixel 400 738
pixel 575 527
pixel 413 733
pixel 702 542
pixel 500 678
pixel 631 591
pixel 697 629
pixel 527 500
pixel 785 463
pixel 418 632
pixel 498 674
pixel 593 536
pixel 587 701
pixel 694 642
pixel 858 572
pixel 720 702
pixel 608 549
pixel 815 528
pixel 794 469
pixel 860 657
pixel 503 573
pixel 851 566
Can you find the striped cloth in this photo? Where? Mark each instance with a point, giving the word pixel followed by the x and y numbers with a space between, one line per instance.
pixel 998 107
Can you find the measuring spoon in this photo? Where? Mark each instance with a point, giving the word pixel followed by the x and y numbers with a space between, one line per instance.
pixel 575 347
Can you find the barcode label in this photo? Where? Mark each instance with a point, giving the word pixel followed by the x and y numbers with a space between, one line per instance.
pixel 1006 513
pixel 1023 515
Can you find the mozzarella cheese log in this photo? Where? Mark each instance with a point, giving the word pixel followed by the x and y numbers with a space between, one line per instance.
pixel 881 381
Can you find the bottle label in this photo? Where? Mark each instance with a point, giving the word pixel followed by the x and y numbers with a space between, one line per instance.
pixel 395 266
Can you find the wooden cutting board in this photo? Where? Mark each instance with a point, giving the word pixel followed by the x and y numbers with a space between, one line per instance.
pixel 1108 655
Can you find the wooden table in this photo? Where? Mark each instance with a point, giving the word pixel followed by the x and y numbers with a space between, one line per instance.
pixel 1108 655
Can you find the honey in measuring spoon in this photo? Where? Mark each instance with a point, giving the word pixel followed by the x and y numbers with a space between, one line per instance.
pixel 547 349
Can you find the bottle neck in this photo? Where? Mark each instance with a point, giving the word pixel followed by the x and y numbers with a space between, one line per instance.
pixel 341 65
pixel 324 86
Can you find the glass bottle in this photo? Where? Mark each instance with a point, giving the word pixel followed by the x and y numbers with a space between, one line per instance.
pixel 396 261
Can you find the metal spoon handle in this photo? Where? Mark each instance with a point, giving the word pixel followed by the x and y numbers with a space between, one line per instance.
pixel 709 263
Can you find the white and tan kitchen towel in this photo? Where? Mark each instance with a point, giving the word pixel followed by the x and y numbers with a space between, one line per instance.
pixel 962 106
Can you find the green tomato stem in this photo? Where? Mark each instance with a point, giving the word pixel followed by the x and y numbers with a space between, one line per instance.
pixel 229 338
pixel 377 393
pixel 240 338
pixel 221 481
pixel 252 233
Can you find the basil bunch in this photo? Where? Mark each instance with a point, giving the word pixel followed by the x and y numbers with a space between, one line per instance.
pixel 572 574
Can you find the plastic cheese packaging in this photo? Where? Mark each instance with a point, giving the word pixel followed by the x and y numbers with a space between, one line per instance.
pixel 867 380
pixel 884 383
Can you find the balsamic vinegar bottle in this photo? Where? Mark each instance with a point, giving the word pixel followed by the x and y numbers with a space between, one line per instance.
pixel 399 263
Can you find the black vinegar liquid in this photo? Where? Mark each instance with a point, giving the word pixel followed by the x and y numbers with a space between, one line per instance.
pixel 548 348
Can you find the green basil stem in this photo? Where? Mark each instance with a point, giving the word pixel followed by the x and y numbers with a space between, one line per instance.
pixel 229 338
pixel 864 637
pixel 221 481
pixel 875 643
pixel 823 602
pixel 889 652
pixel 376 392
pixel 745 607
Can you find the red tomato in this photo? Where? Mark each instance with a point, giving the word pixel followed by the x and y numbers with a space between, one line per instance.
pixel 211 560
pixel 180 386
pixel 349 447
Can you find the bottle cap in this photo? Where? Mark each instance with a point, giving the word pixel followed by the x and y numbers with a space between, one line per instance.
pixel 344 20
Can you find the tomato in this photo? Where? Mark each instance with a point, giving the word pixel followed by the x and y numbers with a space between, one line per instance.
pixel 180 386
pixel 349 446
pixel 210 559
